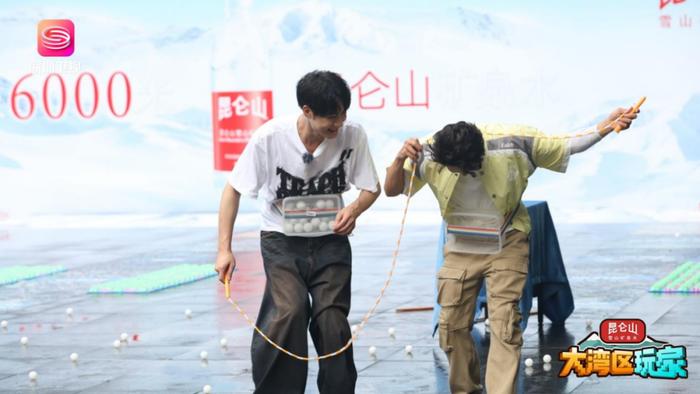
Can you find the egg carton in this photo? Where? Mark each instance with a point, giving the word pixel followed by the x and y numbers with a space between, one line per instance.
pixel 478 233
pixel 310 216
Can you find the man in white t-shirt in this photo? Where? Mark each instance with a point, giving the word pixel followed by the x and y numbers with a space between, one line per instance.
pixel 315 153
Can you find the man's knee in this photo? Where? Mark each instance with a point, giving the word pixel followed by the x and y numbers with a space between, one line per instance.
pixel 331 319
pixel 339 381
pixel 454 338
pixel 292 310
pixel 505 324
pixel 454 321
pixel 450 282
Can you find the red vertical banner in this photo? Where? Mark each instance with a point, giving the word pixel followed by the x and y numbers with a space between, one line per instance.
pixel 235 116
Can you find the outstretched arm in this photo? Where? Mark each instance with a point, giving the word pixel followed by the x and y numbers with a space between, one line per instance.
pixel 620 119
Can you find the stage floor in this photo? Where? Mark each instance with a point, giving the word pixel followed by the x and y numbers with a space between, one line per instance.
pixel 609 267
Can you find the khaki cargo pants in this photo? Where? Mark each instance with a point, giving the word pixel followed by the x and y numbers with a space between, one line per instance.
pixel 459 281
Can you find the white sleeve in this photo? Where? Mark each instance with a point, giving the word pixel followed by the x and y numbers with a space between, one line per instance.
pixel 582 142
pixel 362 172
pixel 248 174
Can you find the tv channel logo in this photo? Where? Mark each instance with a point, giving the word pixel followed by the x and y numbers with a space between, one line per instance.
pixel 55 37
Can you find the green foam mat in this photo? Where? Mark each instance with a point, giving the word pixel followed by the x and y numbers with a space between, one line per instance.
pixel 684 279
pixel 16 273
pixel 157 280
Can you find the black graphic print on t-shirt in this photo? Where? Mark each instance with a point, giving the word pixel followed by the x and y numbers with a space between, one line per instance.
pixel 333 181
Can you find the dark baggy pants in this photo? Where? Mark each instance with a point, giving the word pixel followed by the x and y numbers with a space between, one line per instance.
pixel 297 267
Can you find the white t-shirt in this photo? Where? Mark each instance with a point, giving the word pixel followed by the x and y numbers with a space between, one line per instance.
pixel 272 165
pixel 470 196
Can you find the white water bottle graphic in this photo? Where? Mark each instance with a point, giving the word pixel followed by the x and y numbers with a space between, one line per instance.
pixel 241 85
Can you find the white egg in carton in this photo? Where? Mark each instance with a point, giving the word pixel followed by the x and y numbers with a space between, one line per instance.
pixel 310 216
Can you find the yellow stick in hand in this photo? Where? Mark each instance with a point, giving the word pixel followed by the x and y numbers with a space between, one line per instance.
pixel 634 110
pixel 227 288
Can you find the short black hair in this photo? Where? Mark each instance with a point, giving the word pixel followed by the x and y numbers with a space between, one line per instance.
pixel 459 145
pixel 325 92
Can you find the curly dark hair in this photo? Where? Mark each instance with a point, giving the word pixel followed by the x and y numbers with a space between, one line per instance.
pixel 459 145
pixel 325 92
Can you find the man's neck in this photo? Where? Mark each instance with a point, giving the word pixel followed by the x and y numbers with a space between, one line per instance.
pixel 310 140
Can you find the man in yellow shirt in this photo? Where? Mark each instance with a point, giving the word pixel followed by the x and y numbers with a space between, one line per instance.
pixel 484 169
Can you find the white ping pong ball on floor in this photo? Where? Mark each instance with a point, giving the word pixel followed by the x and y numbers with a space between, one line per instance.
pixel 528 362
pixel 408 349
pixel 33 375
pixel 547 358
pixel 24 340
pixel 391 331
pixel 203 355
pixel 74 357
pixel 188 313
pixel 372 350
pixel 206 389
